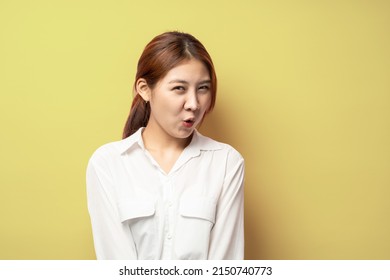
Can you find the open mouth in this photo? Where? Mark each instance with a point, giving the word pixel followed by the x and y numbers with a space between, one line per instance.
pixel 189 122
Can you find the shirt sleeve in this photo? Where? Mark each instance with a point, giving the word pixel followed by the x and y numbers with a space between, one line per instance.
pixel 227 235
pixel 112 238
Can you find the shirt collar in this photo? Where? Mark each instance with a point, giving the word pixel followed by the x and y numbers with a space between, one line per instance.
pixel 197 144
pixel 132 140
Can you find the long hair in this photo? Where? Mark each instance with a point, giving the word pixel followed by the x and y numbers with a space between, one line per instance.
pixel 163 53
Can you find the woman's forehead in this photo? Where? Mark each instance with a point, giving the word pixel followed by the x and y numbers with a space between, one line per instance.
pixel 189 71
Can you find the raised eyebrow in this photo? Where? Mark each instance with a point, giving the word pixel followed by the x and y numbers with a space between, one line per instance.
pixel 185 82
pixel 205 82
pixel 178 82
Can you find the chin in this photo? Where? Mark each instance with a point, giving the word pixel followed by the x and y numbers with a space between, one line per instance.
pixel 185 133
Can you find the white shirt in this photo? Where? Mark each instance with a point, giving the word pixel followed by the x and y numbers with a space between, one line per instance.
pixel 137 211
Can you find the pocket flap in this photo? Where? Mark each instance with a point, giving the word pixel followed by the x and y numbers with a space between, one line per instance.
pixel 131 209
pixel 198 207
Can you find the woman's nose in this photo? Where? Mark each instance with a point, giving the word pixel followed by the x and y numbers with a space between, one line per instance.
pixel 192 102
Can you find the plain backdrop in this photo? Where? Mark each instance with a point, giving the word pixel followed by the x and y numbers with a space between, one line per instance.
pixel 304 95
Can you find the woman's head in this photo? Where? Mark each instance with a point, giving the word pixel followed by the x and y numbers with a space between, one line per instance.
pixel 162 54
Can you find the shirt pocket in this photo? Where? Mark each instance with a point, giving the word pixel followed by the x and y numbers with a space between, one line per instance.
pixel 139 215
pixel 195 221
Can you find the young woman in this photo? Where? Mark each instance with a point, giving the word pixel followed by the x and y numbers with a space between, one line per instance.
pixel 165 191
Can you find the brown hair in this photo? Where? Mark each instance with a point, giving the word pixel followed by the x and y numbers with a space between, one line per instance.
pixel 163 53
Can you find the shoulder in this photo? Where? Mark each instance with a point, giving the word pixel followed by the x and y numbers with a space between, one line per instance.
pixel 106 152
pixel 232 154
pixel 116 148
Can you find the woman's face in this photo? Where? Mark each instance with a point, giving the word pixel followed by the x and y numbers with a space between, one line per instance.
pixel 179 101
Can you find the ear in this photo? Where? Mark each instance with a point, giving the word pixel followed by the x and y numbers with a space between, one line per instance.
pixel 142 88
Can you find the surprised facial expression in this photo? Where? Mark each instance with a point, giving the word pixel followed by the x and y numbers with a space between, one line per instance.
pixel 179 101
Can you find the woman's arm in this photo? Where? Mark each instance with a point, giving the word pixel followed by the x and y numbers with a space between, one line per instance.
pixel 112 238
pixel 227 235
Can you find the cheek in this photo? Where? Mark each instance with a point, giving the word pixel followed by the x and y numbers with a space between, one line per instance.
pixel 161 101
pixel 170 106
pixel 206 101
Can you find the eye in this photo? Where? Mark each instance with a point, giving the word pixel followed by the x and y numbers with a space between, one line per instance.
pixel 204 88
pixel 178 88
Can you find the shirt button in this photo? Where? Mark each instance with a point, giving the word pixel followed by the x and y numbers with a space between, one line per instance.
pixel 170 204
pixel 169 236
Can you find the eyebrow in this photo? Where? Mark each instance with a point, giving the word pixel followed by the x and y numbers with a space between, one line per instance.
pixel 185 82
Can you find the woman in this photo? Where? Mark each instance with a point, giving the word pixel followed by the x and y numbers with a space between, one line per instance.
pixel 165 191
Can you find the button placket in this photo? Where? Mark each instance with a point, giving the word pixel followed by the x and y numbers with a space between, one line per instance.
pixel 169 208
pixel 168 215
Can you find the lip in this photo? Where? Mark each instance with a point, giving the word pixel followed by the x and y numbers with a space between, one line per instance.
pixel 188 122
